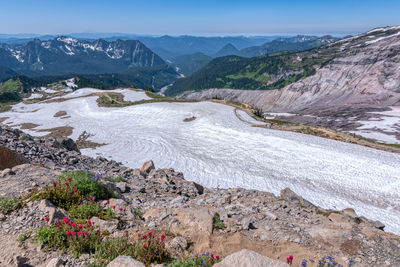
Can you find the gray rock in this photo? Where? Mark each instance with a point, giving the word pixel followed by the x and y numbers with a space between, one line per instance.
pixel 121 186
pixel 55 213
pixel 56 262
pixel 20 260
pixel 178 243
pixel 248 258
pixel 378 225
pixel 110 225
pixel 125 261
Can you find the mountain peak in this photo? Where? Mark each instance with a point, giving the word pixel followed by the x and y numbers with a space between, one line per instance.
pixel 228 49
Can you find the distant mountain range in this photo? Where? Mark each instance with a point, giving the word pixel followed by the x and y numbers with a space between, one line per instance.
pixel 69 56
pixel 296 43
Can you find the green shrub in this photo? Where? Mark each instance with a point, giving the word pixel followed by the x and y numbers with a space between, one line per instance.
pixel 79 238
pixel 87 184
pixel 60 194
pixel 89 210
pixel 149 249
pixel 217 223
pixel 204 261
pixel 139 212
pixel 115 180
pixel 110 249
pixel 23 237
pixel 8 204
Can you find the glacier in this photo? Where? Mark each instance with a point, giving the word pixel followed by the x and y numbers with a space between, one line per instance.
pixel 219 150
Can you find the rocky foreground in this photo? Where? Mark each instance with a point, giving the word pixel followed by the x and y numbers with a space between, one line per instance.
pixel 194 219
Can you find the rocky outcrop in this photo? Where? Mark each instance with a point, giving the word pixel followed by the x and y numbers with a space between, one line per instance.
pixel 248 258
pixel 125 261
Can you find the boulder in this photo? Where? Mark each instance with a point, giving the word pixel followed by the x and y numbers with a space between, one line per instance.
pixel 55 213
pixel 109 226
pixel 178 243
pixel 290 196
pixel 121 186
pixel 248 258
pixel 68 144
pixel 148 166
pixel 56 262
pixel 20 260
pixel 378 225
pixel 125 261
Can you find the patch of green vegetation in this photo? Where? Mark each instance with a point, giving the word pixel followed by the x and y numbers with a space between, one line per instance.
pixel 87 184
pixel 5 107
pixel 8 204
pixel 115 180
pixel 278 122
pixel 273 71
pixel 23 237
pixel 217 223
pixel 205 261
pixel 10 86
pixel 154 95
pixel 91 209
pixel 139 212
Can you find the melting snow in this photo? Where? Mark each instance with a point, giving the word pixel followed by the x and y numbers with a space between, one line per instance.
pixel 219 150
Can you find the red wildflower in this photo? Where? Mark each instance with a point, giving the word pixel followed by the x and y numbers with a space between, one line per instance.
pixel 72 224
pixel 139 234
pixel 114 207
pixel 108 201
pixel 80 226
pixel 75 190
pixel 57 224
pixel 91 198
pixel 163 237
pixel 85 233
pixel 54 184
pixel 144 236
pixel 120 209
pixel 66 183
pixel 289 260
pixel 79 233
pixel 69 233
pixel 47 219
pixel 150 233
pixel 217 257
pixel 89 223
pixel 144 246
pixel 66 219
pixel 69 179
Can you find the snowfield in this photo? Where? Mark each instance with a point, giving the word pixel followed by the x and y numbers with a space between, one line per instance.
pixel 217 149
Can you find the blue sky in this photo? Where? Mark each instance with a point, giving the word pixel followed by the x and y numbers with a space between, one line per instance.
pixel 197 17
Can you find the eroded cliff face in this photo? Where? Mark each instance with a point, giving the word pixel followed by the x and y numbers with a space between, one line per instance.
pixel 365 73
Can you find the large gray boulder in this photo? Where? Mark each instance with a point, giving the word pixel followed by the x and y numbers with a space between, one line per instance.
pixel 248 258
pixel 125 261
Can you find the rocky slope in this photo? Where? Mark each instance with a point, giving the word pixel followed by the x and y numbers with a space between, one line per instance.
pixel 364 73
pixel 272 226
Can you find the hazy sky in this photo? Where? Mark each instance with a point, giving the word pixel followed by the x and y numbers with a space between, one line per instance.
pixel 197 17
